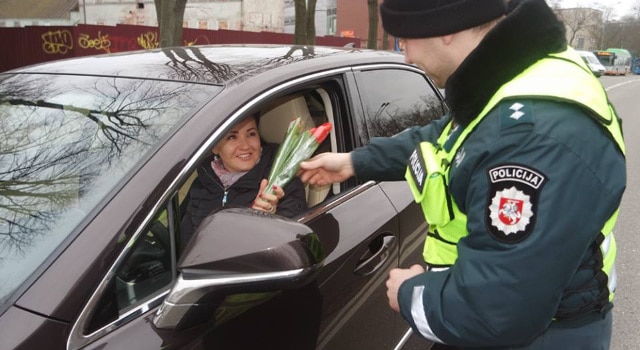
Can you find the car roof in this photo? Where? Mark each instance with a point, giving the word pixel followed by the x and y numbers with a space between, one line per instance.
pixel 210 64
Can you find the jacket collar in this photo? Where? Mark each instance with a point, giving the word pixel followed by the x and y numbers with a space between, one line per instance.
pixel 528 33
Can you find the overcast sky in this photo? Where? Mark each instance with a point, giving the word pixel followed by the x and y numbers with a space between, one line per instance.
pixel 621 7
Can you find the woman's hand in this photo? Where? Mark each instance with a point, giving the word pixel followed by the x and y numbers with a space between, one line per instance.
pixel 266 201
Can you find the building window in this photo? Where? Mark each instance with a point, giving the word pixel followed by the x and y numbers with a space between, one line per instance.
pixel 203 24
pixel 223 24
pixel 331 21
pixel 289 20
pixel 580 45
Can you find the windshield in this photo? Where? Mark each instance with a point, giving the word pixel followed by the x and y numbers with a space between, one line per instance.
pixel 66 142
pixel 592 59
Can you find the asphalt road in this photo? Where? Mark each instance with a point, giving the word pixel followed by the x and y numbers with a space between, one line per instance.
pixel 624 93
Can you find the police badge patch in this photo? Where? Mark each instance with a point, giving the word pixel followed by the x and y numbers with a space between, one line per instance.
pixel 513 201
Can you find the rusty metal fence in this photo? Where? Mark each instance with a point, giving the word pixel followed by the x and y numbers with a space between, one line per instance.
pixel 29 45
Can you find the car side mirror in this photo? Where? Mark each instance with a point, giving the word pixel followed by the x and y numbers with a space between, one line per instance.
pixel 235 251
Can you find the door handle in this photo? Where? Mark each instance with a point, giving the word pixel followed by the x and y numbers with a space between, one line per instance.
pixel 377 254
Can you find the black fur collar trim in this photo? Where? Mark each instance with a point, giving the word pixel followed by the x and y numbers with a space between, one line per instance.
pixel 528 33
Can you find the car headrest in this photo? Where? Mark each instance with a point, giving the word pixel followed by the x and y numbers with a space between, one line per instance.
pixel 274 122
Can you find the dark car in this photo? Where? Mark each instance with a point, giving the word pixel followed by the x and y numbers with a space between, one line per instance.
pixel 98 153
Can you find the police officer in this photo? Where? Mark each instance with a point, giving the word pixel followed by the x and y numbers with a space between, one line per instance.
pixel 520 183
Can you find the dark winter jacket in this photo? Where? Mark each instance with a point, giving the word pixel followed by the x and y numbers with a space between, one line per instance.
pixel 206 193
pixel 510 293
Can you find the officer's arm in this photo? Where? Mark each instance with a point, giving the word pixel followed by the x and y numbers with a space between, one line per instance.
pixel 385 158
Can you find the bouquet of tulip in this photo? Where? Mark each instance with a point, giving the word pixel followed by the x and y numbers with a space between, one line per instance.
pixel 298 145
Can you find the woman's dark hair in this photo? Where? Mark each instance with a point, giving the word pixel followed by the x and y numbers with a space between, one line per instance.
pixel 256 117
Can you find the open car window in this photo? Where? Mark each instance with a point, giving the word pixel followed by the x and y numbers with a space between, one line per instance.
pixel 150 266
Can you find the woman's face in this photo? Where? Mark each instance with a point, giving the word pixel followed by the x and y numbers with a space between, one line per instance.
pixel 240 149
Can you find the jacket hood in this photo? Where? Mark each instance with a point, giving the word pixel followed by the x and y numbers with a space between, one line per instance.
pixel 529 32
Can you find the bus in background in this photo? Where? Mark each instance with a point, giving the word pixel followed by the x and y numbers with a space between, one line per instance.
pixel 615 61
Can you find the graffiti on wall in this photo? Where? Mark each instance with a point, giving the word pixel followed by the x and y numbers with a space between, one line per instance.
pixel 36 44
pixel 60 42
pixel 200 40
pixel 57 42
pixel 148 40
pixel 100 43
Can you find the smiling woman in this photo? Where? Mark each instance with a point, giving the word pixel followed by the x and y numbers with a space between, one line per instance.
pixel 235 176
pixel 239 151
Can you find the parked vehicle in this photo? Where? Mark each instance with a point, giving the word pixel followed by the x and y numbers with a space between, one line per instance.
pixel 97 154
pixel 635 65
pixel 592 62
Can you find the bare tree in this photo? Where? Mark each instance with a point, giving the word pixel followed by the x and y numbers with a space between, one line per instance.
pixel 52 153
pixel 385 41
pixel 599 24
pixel 372 41
pixel 623 34
pixel 389 119
pixel 170 16
pixel 636 9
pixel 580 21
pixel 305 29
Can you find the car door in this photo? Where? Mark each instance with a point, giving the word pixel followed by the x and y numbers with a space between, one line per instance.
pixel 359 228
pixel 343 305
pixel 382 214
pixel 395 98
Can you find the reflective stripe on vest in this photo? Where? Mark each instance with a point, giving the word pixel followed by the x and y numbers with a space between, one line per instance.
pixel 563 77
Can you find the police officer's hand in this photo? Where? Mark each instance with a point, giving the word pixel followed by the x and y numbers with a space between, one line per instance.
pixel 396 278
pixel 326 168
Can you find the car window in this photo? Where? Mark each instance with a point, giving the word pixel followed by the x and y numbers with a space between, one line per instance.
pixel 148 269
pixel 66 142
pixel 395 99
pixel 314 108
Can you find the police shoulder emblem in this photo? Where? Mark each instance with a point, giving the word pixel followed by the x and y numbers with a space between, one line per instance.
pixel 513 201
